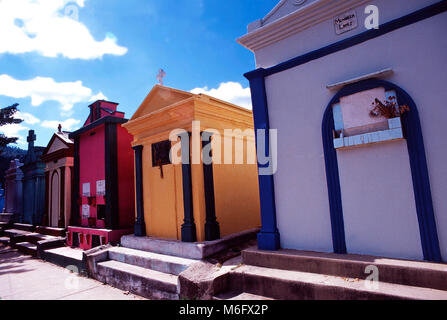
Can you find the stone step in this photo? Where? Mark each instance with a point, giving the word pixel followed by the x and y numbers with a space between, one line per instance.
pixel 236 295
pixel 51 231
pixel 405 272
pixel 27 248
pixel 65 257
pixel 24 227
pixel 5 241
pixel 149 260
pixel 141 281
pixel 36 237
pixel 296 285
pixel 15 232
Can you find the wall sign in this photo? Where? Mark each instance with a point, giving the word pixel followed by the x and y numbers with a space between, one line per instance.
pixel 85 211
pixel 86 189
pixel 346 22
pixel 101 187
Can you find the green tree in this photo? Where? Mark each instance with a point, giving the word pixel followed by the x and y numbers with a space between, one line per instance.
pixel 7 117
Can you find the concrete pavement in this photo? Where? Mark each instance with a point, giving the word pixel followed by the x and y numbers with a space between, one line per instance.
pixel 26 278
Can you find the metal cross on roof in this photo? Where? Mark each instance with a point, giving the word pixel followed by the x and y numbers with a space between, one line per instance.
pixel 161 74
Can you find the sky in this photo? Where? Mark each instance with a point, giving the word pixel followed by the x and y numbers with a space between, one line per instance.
pixel 59 56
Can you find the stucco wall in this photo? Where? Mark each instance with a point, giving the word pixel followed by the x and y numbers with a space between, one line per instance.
pixel 297 99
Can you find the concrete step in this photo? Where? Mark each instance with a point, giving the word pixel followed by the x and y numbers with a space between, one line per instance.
pixel 411 273
pixel 36 237
pixel 144 282
pixel 27 248
pixel 15 232
pixel 51 231
pixel 296 285
pixel 65 257
pixel 5 241
pixel 236 295
pixel 24 227
pixel 149 260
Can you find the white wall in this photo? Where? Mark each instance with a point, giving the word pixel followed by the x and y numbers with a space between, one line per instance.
pixel 297 99
pixel 379 210
pixel 323 34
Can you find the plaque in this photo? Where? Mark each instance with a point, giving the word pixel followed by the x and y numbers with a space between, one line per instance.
pixel 86 189
pixel 85 211
pixel 101 187
pixel 345 22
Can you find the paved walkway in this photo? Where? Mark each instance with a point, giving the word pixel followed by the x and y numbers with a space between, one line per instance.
pixel 26 278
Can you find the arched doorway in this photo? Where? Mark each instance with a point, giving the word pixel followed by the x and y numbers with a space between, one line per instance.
pixel 418 168
pixel 55 199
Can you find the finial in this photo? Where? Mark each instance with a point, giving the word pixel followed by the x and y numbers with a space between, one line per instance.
pixel 161 74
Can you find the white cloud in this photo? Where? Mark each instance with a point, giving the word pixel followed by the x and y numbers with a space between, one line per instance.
pixel 67 125
pixel 26 117
pixel 42 89
pixel 99 96
pixel 14 130
pixel 51 28
pixel 229 91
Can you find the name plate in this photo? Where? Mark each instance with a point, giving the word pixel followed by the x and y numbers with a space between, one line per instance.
pixel 86 189
pixel 346 22
pixel 85 211
pixel 101 187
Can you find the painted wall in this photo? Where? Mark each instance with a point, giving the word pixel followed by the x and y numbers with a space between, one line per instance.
pixel 126 188
pixel 92 168
pixel 236 191
pixel 297 99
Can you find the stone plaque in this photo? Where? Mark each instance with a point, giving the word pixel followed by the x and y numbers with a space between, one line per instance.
pixel 101 187
pixel 85 211
pixel 346 22
pixel 86 189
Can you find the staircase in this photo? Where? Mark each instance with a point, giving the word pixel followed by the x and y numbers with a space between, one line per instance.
pixel 26 238
pixel 299 275
pixel 148 274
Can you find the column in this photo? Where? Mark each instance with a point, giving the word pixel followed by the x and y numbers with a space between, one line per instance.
pixel 189 226
pixel 268 238
pixel 140 225
pixel 212 229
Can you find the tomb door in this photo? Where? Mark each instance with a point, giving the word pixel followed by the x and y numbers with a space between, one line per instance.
pixel 161 192
pixel 55 199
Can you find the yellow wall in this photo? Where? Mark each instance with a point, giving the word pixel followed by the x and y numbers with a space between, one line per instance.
pixel 237 193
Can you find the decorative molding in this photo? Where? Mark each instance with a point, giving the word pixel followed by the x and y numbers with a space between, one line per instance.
pixel 295 22
pixel 378 74
pixel 385 28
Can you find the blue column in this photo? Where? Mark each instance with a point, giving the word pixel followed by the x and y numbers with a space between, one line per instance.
pixel 268 238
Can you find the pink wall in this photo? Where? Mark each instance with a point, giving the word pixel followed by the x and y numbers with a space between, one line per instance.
pixel 91 167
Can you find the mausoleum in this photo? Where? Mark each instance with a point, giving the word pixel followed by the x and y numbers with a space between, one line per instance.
pixel 33 170
pixel 103 200
pixel 193 199
pixel 356 90
pixel 13 190
pixel 58 157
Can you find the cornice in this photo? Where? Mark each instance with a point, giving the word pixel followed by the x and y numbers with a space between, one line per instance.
pixel 297 21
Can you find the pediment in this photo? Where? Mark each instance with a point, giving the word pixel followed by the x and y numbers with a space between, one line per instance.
pixel 283 8
pixel 159 98
pixel 58 143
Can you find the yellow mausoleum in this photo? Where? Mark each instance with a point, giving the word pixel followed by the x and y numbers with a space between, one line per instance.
pixel 193 200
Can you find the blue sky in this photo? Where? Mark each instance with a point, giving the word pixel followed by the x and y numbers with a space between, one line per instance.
pixel 57 55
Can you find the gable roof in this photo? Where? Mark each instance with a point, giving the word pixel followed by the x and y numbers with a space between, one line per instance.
pixel 64 142
pixel 160 97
